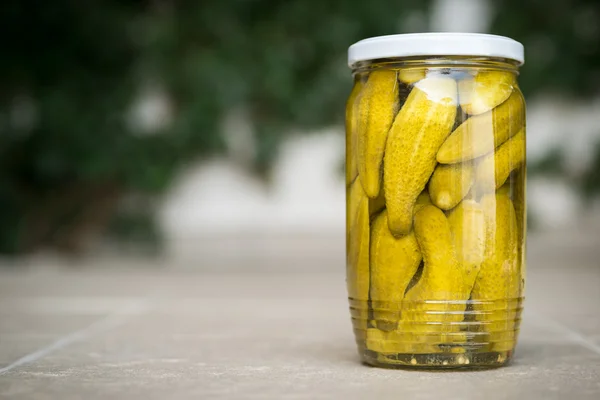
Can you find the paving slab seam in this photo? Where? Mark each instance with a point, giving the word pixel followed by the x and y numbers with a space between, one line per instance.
pixel 571 334
pixel 104 324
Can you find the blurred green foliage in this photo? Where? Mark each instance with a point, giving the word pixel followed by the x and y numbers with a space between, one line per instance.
pixel 562 43
pixel 70 156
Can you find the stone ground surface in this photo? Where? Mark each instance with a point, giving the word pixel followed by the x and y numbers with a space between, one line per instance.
pixel 131 333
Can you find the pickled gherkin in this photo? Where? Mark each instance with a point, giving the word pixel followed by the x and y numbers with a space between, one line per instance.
pixel 467 224
pixel 485 91
pixel 434 306
pixel 493 170
pixel 498 283
pixel 393 263
pixel 436 210
pixel 376 109
pixel 421 126
pixel 351 132
pixel 357 243
pixel 450 183
pixel 481 134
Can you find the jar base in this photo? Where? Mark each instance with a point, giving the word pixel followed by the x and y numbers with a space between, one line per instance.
pixel 437 361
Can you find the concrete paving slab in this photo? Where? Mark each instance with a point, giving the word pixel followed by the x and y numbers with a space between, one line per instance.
pixel 178 334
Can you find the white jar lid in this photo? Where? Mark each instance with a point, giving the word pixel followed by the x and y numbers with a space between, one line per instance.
pixel 436 44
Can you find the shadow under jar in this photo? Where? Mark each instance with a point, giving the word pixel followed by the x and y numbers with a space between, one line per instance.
pixel 435 213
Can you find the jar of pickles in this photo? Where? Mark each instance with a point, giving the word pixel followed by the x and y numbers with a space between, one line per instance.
pixel 435 177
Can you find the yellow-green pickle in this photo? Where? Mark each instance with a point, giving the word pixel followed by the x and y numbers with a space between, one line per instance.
pixel 436 202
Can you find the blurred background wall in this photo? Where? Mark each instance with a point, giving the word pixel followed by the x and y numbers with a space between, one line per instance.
pixel 211 133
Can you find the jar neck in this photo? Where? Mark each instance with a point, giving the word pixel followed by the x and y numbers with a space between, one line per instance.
pixel 454 62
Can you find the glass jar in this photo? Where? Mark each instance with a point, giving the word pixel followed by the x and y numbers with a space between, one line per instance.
pixel 435 176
